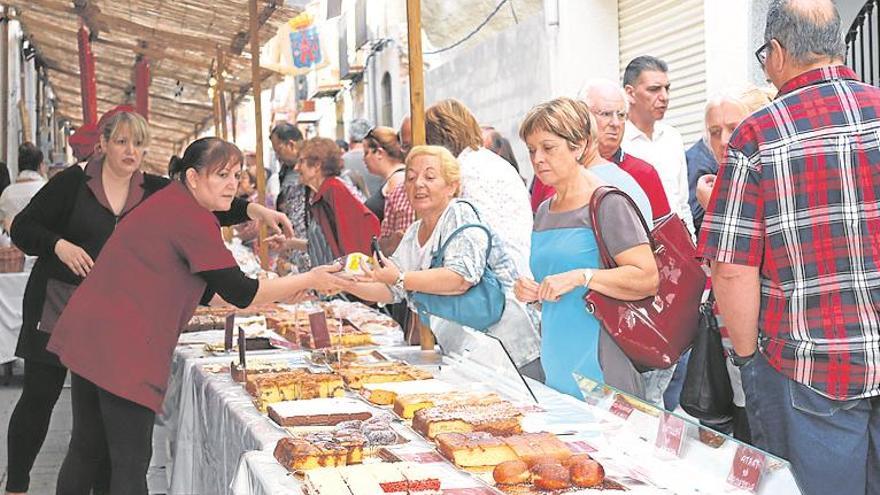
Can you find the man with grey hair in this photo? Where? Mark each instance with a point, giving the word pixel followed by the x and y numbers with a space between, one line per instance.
pixel 353 159
pixel 793 234
pixel 646 82
pixel 607 103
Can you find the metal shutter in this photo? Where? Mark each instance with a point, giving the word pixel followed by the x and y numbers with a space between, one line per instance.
pixel 673 31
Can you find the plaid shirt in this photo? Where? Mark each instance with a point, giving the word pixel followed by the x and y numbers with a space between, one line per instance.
pixel 399 213
pixel 799 196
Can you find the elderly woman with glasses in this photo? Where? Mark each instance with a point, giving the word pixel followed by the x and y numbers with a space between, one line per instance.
pixel 338 223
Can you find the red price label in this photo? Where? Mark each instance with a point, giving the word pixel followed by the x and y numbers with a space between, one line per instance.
pixel 621 408
pixel 318 327
pixel 748 466
pixel 670 434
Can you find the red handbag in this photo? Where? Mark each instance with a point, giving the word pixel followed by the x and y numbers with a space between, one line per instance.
pixel 655 331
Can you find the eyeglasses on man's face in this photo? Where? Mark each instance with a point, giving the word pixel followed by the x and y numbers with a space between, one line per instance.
pixel 762 52
pixel 610 115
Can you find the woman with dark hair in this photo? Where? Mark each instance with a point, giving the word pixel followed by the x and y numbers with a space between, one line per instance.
pixel 338 223
pixel 499 145
pixel 119 330
pixel 66 225
pixel 384 158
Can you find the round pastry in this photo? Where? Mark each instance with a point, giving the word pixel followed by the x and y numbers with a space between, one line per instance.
pixel 576 458
pixel 586 473
pixel 551 477
pixel 511 473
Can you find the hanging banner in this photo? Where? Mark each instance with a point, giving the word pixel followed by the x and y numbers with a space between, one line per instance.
pixel 296 49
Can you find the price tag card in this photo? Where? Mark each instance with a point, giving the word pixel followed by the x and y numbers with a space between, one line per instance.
pixel 670 434
pixel 320 333
pixel 621 407
pixel 242 346
pixel 748 466
pixel 229 326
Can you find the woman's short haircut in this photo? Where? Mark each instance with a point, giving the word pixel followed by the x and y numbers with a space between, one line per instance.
pixel 449 166
pixel 208 155
pixel 386 139
pixel 450 124
pixel 567 118
pixel 133 122
pixel 324 152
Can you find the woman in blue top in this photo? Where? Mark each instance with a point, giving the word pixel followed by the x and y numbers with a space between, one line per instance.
pixel 564 256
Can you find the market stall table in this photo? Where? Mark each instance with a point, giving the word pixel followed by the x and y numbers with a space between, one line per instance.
pixel 623 443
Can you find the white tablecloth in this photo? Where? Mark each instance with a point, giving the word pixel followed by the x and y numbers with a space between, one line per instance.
pixel 211 421
pixel 11 294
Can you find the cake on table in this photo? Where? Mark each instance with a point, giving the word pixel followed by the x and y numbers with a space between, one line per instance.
pixel 356 375
pixel 385 393
pixel 318 412
pixel 399 478
pixel 499 418
pixel 474 450
pixel 406 405
pixel 295 385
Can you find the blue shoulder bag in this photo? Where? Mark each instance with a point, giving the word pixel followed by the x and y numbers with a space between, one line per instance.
pixel 478 308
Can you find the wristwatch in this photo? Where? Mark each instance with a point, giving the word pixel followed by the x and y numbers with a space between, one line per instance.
pixel 588 275
pixel 398 284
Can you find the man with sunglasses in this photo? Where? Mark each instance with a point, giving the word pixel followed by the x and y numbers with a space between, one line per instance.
pixel 793 233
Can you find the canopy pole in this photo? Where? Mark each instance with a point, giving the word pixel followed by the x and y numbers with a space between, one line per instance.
pixel 258 121
pixel 87 82
pixel 417 111
pixel 142 86
pixel 221 92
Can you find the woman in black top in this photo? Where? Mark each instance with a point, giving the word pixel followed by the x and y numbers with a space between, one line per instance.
pixel 384 157
pixel 66 225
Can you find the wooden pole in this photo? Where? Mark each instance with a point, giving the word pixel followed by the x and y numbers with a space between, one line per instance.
pixel 417 112
pixel 216 103
pixel 233 114
pixel 416 71
pixel 258 121
pixel 221 91
pixel 4 83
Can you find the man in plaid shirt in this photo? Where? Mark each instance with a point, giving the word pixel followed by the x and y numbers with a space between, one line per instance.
pixel 793 230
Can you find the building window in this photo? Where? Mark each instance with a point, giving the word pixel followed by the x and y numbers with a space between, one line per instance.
pixel 387 112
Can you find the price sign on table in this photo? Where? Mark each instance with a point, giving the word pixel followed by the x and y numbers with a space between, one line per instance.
pixel 748 466
pixel 670 434
pixel 228 327
pixel 320 333
pixel 621 407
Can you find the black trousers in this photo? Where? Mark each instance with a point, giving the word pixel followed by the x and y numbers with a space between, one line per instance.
pixel 29 424
pixel 103 422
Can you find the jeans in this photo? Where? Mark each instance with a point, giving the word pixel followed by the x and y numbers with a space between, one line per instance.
pixel 833 446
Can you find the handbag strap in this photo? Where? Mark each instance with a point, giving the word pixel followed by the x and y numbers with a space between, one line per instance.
pixel 599 195
pixel 442 251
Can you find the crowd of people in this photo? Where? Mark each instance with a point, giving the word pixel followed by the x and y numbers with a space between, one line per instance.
pixel 781 197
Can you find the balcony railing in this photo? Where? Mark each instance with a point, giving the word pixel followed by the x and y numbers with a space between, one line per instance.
pixel 863 43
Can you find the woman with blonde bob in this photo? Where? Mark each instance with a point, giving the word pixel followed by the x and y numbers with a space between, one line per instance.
pixel 433 177
pixel 565 258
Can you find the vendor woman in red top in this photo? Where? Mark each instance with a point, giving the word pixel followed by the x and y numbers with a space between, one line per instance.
pixel 118 332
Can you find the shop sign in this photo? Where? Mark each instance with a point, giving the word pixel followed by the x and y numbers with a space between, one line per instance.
pixel 305 45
